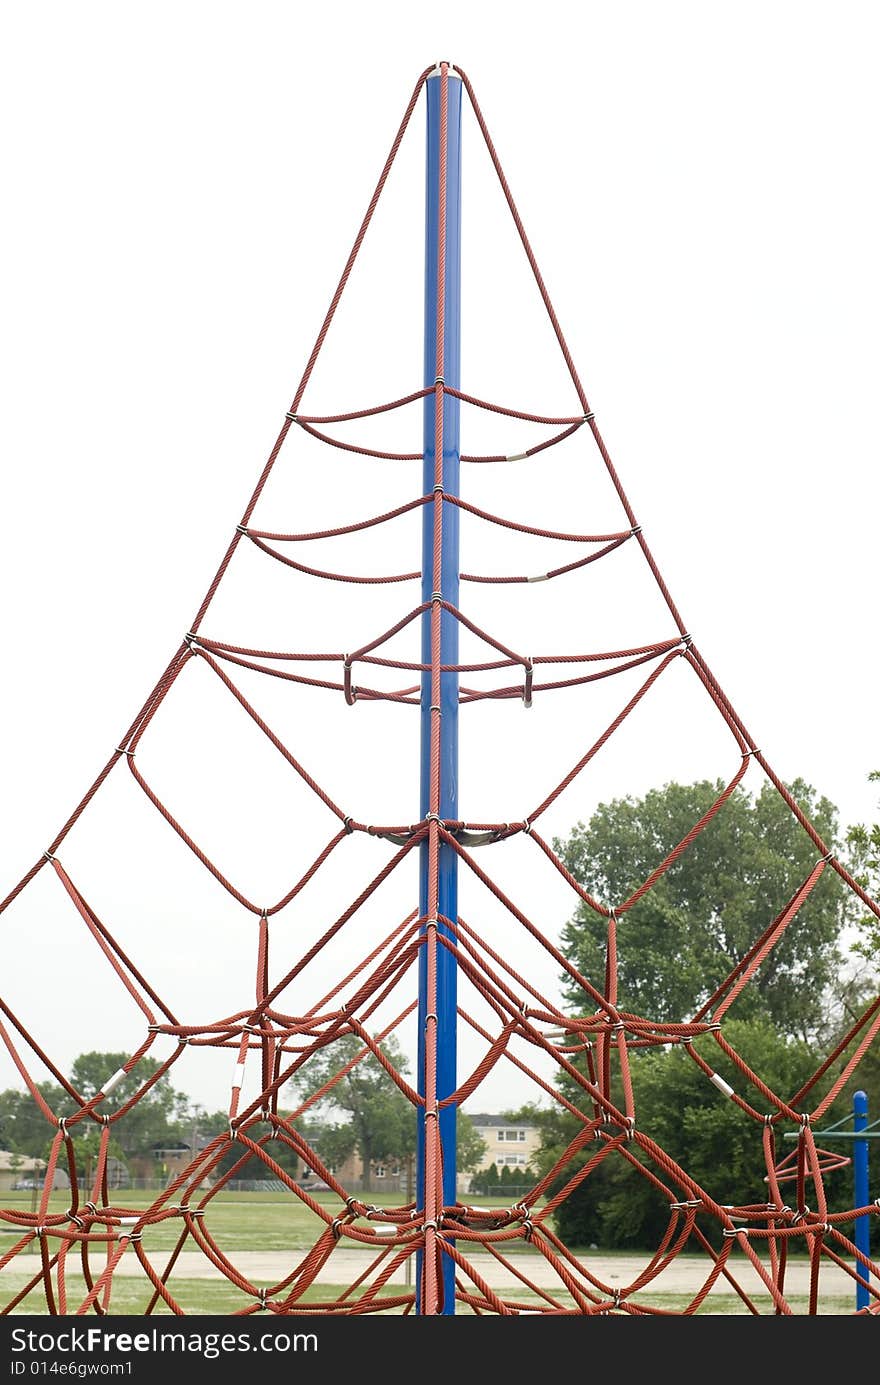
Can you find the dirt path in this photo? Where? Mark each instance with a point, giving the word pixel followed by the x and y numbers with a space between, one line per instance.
pixel 684 1275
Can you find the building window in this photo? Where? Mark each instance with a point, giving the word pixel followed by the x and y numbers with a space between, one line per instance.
pixel 395 1172
pixel 500 1159
pixel 502 1134
pixel 380 1170
pixel 522 1134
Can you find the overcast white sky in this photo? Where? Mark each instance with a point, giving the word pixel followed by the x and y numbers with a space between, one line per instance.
pixel 182 184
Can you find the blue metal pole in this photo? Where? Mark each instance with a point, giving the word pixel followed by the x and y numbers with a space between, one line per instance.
pixel 862 1236
pixel 446 1007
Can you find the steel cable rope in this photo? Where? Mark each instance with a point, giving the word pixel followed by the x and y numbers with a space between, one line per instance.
pixel 601 1042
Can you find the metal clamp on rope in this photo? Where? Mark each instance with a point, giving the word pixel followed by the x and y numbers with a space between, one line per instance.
pixel 436 596
pixel 526 1218
pixel 241 528
pixel 48 855
pixel 71 1216
pixel 527 685
pixel 336 1228
pixel 636 529
pixel 439 380
pixel 588 418
pixel 526 827
pixel 431 1016
pixel 262 1297
pixel 435 817
pixel 291 416
pixel 430 923
pixel 687 641
pixel 439 488
pixel 120 751
pixel 350 692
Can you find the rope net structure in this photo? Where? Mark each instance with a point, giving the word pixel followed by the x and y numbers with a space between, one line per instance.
pixel 77 1254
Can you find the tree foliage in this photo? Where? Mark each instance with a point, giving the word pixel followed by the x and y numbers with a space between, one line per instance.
pixel 686 934
pixel 863 841
pixel 707 1134
pixel 159 1114
pixel 378 1119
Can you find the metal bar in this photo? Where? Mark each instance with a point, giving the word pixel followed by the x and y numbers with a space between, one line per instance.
pixel 862 1235
pixel 446 1006
pixel 837 1134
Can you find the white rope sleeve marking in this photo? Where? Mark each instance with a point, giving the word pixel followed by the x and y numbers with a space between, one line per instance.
pixel 238 1075
pixel 721 1084
pixel 114 1081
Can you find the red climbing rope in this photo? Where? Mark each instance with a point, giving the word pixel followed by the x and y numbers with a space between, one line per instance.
pixel 592 1048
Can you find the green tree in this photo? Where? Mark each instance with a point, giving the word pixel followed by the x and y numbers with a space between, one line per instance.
pixel 156 1116
pixel 23 1127
pixel 488 1180
pixel 158 1113
pixel 707 1134
pixel 686 934
pixel 379 1121
pixel 470 1147
pixel 863 842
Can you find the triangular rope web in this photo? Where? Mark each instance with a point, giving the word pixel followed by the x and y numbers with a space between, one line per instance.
pixel 304 1008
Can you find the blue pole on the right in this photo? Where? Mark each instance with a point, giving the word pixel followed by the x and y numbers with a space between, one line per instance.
pixel 862 1236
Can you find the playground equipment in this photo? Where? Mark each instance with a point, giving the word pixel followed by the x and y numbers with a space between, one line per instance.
pixel 421 964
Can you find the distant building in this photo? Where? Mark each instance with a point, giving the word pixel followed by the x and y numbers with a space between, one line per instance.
pixel 18 1171
pixel 509 1143
pixel 391 1175
pixel 167 1159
